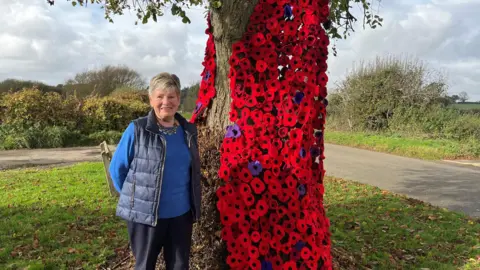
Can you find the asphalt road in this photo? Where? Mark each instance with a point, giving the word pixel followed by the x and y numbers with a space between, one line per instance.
pixel 452 186
pixel 455 187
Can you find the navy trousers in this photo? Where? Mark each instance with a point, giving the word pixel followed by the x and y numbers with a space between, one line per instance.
pixel 174 235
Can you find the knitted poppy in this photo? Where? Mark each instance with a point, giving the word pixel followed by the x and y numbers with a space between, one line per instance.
pixel 255 236
pixel 255 167
pixel 289 120
pixel 288 12
pixel 262 207
pixel 266 265
pixel 301 190
pixel 243 224
pixel 233 131
pixel 274 187
pixel 257 185
pixel 261 66
pixel 244 175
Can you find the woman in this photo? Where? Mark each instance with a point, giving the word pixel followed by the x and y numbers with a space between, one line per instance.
pixel 156 170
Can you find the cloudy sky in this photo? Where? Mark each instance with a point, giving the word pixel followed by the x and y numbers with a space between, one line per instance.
pixel 53 43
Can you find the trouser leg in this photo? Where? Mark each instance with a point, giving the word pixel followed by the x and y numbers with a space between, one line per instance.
pixel 178 242
pixel 146 243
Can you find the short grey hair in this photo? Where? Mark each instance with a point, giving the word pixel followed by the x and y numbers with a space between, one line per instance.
pixel 164 81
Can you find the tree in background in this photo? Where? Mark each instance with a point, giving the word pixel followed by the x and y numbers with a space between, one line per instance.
pixel 104 81
pixel 463 96
pixel 269 58
pixel 454 98
pixel 189 97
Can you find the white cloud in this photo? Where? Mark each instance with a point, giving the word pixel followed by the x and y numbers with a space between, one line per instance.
pixel 442 33
pixel 52 43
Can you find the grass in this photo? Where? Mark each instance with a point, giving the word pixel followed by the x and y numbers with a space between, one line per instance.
pixel 429 149
pixel 466 106
pixel 381 230
pixel 57 217
pixel 63 218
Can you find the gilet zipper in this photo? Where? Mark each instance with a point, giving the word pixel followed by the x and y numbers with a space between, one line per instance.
pixel 160 179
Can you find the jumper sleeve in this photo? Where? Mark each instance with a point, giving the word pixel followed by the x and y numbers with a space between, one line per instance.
pixel 122 157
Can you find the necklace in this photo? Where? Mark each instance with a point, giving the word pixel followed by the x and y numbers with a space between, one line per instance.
pixel 168 130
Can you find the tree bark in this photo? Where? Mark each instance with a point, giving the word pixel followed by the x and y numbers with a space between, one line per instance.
pixel 229 23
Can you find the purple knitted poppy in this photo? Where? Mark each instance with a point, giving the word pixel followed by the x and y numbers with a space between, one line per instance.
pixel 266 265
pixel 287 12
pixel 301 190
pixel 303 153
pixel 314 152
pixel 298 97
pixel 255 167
pixel 299 245
pixel 207 75
pixel 198 106
pixel 233 131
pixel 325 102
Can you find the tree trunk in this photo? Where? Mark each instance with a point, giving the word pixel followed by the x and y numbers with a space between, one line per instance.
pixel 229 24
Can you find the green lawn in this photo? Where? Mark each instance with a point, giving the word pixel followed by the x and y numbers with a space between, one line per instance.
pixel 386 231
pixel 63 218
pixel 430 149
pixel 57 217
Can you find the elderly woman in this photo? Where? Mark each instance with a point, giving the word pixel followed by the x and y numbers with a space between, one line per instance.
pixel 156 170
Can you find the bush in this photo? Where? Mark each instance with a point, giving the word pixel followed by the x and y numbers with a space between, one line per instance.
pixel 32 119
pixel 399 96
pixel 37 137
pixel 108 113
pixel 368 97
pixel 437 122
pixel 29 107
pixel 111 137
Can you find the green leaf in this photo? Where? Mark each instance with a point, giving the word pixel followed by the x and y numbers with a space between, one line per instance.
pixel 146 17
pixel 175 9
pixel 216 4
pixel 74 3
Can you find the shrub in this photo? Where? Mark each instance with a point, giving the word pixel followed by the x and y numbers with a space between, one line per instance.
pixel 38 137
pixel 108 113
pixel 32 119
pixel 368 97
pixel 399 96
pixel 111 137
pixel 29 107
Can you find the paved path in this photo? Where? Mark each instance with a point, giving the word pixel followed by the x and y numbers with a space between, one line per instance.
pixel 449 185
pixel 445 184
pixel 47 157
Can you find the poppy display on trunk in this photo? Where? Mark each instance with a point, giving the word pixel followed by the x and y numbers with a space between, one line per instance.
pixel 271 202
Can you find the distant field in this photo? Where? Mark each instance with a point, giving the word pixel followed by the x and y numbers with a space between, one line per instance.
pixel 466 106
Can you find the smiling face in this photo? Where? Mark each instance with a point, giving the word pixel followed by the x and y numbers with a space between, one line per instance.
pixel 165 102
